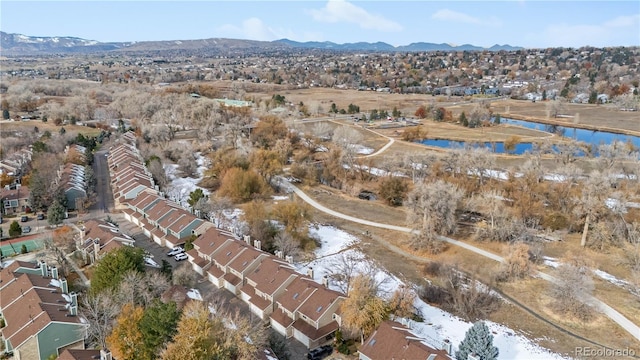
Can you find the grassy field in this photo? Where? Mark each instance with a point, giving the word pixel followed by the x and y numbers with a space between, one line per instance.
pixel 20 126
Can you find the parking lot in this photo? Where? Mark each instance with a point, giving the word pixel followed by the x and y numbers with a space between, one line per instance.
pixel 32 222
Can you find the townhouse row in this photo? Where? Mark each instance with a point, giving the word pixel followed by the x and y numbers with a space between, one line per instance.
pixel 294 304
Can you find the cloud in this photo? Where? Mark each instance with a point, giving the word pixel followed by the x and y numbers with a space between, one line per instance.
pixel 342 11
pixel 455 16
pixel 609 33
pixel 252 28
pixel 623 21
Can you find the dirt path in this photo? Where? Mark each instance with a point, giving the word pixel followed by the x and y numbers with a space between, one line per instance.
pixel 614 315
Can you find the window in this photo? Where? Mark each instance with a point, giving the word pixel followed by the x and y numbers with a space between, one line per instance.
pixel 319 308
pixel 295 296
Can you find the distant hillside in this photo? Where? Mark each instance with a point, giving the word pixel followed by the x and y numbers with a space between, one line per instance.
pixel 18 44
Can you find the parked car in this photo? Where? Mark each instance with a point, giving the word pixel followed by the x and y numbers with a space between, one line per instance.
pixel 24 218
pixel 320 353
pixel 40 217
pixel 181 256
pixel 175 251
pixel 26 229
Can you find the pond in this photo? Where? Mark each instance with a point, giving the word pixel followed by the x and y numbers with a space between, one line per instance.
pixel 588 136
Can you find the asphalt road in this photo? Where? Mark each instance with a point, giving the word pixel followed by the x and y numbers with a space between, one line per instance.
pixel 104 196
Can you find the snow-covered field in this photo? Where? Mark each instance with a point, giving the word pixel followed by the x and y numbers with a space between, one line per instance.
pixel 438 325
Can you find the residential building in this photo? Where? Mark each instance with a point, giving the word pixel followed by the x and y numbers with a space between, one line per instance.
pixel 78 354
pixel 40 314
pixel 14 199
pixel 97 237
pixel 392 340
pixel 307 311
pixel 72 179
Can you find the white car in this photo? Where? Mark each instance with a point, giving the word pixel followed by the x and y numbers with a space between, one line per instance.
pixel 175 251
pixel 181 256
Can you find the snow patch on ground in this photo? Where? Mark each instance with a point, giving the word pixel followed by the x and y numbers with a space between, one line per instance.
pixel 180 187
pixel 361 149
pixel 194 294
pixel 280 197
pixel 551 262
pixel 438 324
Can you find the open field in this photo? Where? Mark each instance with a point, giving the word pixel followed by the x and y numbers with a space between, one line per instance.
pixel 11 126
pixel 528 293
pixel 604 117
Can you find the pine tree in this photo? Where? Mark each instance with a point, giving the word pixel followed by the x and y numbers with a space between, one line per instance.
pixel 478 340
pixel 463 119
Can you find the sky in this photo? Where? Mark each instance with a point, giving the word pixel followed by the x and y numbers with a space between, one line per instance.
pixel 527 23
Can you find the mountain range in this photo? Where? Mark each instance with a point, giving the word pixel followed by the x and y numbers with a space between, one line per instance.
pixel 18 44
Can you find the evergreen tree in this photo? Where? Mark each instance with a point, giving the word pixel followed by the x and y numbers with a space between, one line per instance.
pixel 463 119
pixel 478 340
pixel 55 213
pixel 497 119
pixel 5 114
pixel 15 229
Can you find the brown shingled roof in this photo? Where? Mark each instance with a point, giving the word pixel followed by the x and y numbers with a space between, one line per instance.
pixel 297 293
pixel 210 241
pixel 270 274
pixel 393 341
pixel 79 354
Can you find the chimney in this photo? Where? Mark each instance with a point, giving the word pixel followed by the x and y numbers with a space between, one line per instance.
pixel 247 239
pixel 279 254
pixel 447 346
pixel 325 281
pixel 43 268
pixel 96 248
pixel 289 259
pixel 310 272
pixel 54 272
pixel 74 298
pixel 64 287
pixel 73 310
pixel 257 244
pixel 105 354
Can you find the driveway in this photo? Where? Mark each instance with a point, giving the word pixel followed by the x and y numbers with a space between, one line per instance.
pixel 158 253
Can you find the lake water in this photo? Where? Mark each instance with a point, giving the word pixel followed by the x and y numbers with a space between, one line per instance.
pixel 588 136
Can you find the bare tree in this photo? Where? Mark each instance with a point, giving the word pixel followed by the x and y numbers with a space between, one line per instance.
pixel 348 139
pixel 100 310
pixel 322 130
pixel 158 173
pixel 518 264
pixel 574 284
pixel 184 276
pixel 343 268
pixel 432 211
pixel 287 244
pixel 591 205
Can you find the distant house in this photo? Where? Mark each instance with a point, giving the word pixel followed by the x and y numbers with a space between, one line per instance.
pixel 40 313
pixel 392 340
pixel 14 199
